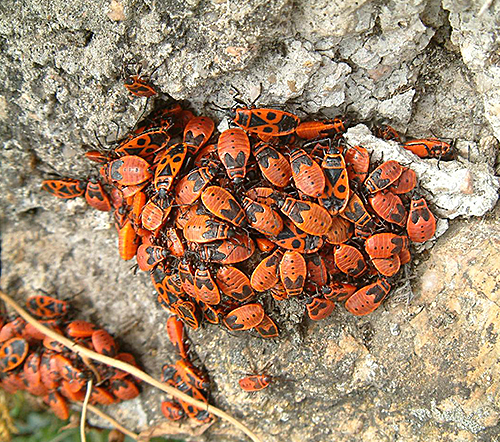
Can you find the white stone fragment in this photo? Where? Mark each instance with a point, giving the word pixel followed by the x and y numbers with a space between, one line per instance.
pixel 455 188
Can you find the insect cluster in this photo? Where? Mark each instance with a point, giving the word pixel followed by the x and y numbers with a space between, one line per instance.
pixel 31 361
pixel 184 376
pixel 272 206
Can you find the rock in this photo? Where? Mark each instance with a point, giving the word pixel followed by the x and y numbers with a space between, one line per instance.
pixel 424 366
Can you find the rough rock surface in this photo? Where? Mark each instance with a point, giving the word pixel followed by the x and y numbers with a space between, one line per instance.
pixel 423 367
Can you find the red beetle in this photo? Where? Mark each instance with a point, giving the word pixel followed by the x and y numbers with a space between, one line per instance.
pixel 273 165
pixel 128 170
pixel 383 176
pixel 319 308
pixel 234 283
pixel 64 188
pixel 255 382
pixel 267 328
pixel 421 224
pixel 307 174
pixel 265 121
pixel 244 317
pixel 172 411
pixel 293 272
pixel 233 148
pixel 368 298
pixel 177 336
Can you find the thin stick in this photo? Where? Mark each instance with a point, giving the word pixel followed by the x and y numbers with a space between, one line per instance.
pixel 104 416
pixel 127 368
pixel 485 7
pixel 83 417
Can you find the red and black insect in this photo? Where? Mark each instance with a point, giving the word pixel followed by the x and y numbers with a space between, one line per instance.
pixel 64 188
pixel 177 336
pixel 234 283
pixel 387 266
pixel 205 229
pixel 124 389
pixel 13 353
pixel 317 272
pixel 197 132
pixel 128 170
pixel 265 275
pixel 80 329
pixel 96 196
pixel 265 121
pixel 138 85
pixel 273 165
pixel 58 405
pixel 190 187
pixel 405 183
pixel 338 291
pixel 356 212
pixel 205 288
pixel 186 275
pixel 421 224
pixel 267 328
pixel 169 165
pixel 368 298
pixel 389 207
pixel 222 204
pixel 430 148
pixel 387 132
pixel 349 260
pixel 172 411
pixel 235 249
pixel 145 144
pixel 255 382
pixel 149 256
pixel 233 148
pixel 244 317
pixel 385 245
pixel 293 238
pixel 293 272
pixel 310 217
pixel 192 375
pixel 319 308
pixel 104 343
pixel 311 130
pixel 357 161
pixel 340 231
pixel 336 194
pixel 127 241
pixel 189 312
pixel 46 307
pixel 383 176
pixel 262 217
pixel 307 174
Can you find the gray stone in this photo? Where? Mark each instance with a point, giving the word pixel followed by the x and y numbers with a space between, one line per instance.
pixel 424 366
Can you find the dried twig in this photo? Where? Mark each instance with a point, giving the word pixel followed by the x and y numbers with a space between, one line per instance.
pixel 83 417
pixel 113 422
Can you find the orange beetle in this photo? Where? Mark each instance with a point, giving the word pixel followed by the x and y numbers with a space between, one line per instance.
pixel 273 165
pixel 223 205
pixel 307 174
pixel 234 283
pixel 383 176
pixel 265 275
pixel 368 298
pixel 421 224
pixel 293 272
pixel 309 217
pixel 233 148
pixel 244 317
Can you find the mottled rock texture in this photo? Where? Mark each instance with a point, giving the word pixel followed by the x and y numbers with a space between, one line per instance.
pixel 425 366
